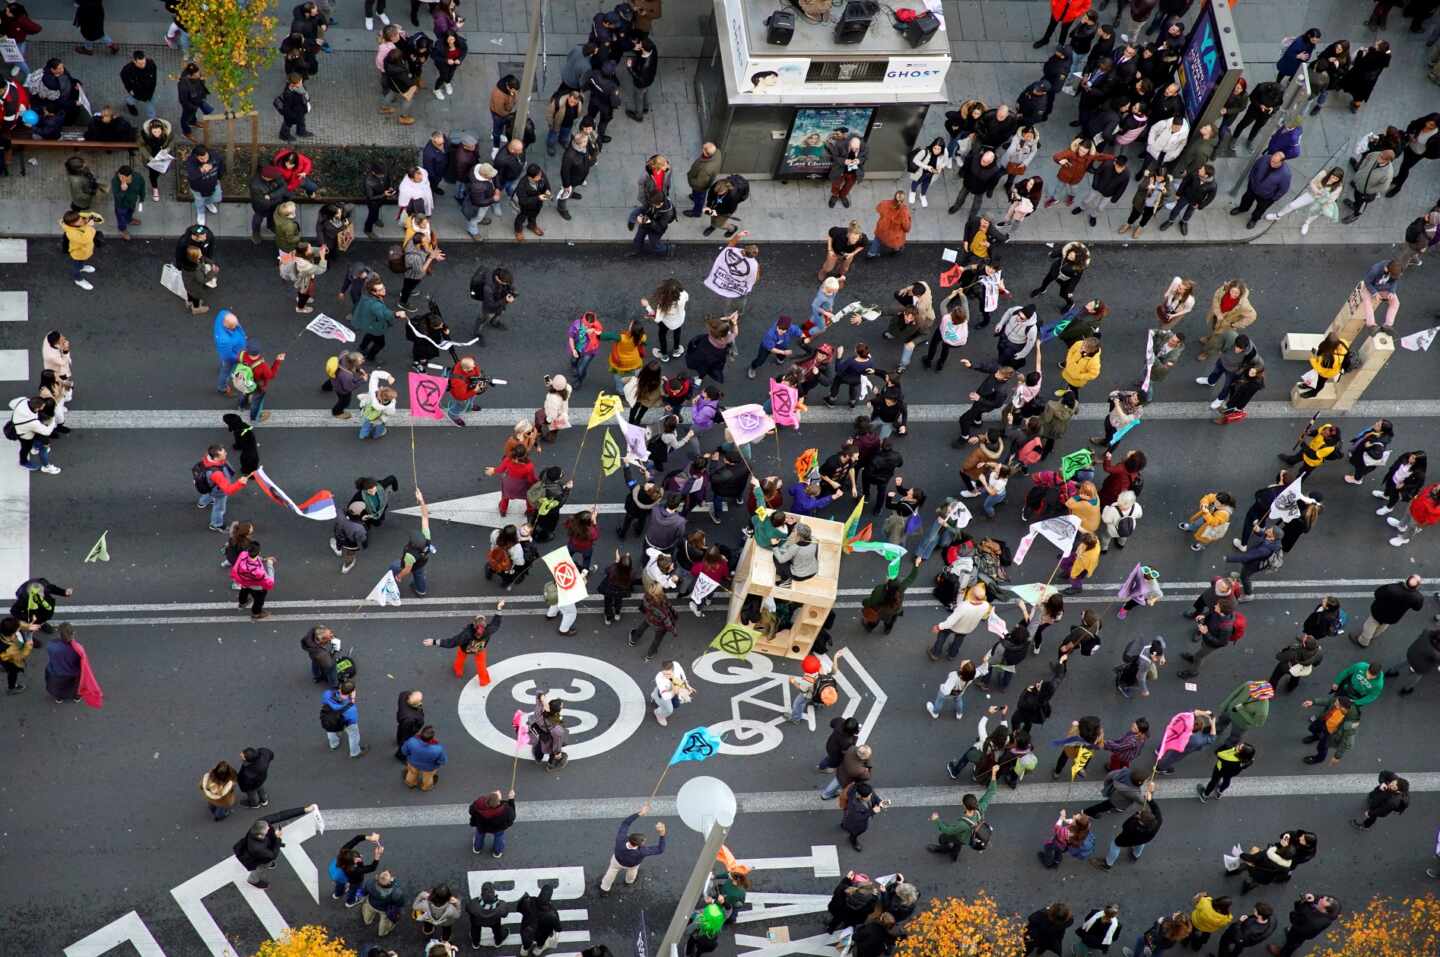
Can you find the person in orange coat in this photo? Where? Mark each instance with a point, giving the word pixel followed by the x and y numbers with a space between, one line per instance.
pixel 1063 13
pixel 1075 161
pixel 1424 512
pixel 891 228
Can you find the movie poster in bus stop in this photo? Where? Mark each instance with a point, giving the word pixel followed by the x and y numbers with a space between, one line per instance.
pixel 811 128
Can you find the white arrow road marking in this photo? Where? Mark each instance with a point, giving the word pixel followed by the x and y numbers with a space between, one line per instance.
pixel 820 945
pixel 484 509
pixel 511 884
pixel 229 872
pixel 129 929
pixel 823 860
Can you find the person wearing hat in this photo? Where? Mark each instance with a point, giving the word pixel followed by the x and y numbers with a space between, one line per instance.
pixel 797 558
pixel 349 536
pixel 815 678
pixel 477 198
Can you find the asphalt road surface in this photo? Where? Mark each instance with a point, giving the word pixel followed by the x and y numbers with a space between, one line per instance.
pixel 103 819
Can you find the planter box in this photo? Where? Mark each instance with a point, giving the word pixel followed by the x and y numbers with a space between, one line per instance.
pixel 339 170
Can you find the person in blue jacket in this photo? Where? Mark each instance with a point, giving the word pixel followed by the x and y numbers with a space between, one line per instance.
pixel 230 341
pixel 341 700
pixel 1297 54
pixel 805 498
pixel 779 341
pixel 424 756
pixel 630 850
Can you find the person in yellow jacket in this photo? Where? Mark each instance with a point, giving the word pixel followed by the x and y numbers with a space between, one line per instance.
pixel 1230 310
pixel 1327 360
pixel 1210 915
pixel 628 353
pixel 1082 561
pixel 1211 520
pixel 79 229
pixel 1082 363
pixel 1085 505
pixel 1320 445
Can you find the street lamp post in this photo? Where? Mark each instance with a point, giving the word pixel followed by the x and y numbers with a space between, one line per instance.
pixel 527 78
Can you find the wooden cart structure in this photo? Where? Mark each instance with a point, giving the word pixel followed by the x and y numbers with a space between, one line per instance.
pixel 755 575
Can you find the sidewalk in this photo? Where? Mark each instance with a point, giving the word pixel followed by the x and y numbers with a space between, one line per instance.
pixel 993 60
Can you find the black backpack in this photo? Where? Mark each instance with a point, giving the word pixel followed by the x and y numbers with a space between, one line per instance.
pixel 980 835
pixel 1126 526
pixel 739 187
pixel 201 475
pixel 331 719
pixel 823 682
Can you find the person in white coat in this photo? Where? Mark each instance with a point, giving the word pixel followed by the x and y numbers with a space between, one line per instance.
pixel 414 185
pixel 925 165
pixel 32 420
pixel 1322 193
pixel 967 616
pixel 566 611
pixel 1114 527
pixel 672 689
pixel 1163 145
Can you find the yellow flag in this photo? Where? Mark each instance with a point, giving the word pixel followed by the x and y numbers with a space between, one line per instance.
pixel 606 405
pixel 100 552
pixel 609 454
pixel 1082 758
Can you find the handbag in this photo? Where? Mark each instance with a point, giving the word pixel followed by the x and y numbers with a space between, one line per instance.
pixel 171 279
pixel 345 236
pixel 842 801
pixel 870 616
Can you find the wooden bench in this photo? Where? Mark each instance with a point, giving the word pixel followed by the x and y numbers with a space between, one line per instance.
pixel 19 146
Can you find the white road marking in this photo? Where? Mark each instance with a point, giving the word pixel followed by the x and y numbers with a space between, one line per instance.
pixel 14 366
pixel 919 413
pixel 229 872
pixel 938 796
pixel 818 945
pixel 484 510
pixel 14 489
pixel 473 698
pixel 513 883
pixel 13 251
pixel 14 305
pixel 128 929
pixel 823 861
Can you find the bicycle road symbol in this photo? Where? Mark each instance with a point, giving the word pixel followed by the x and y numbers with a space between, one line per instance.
pixel 427 396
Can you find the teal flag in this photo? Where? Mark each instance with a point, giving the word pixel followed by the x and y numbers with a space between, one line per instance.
pixel 891 553
pixel 697 745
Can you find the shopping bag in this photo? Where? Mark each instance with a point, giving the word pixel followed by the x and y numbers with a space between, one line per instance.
pixel 1232 860
pixel 171 280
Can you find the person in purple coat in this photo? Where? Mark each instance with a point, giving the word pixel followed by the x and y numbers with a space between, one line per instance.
pixel 1269 181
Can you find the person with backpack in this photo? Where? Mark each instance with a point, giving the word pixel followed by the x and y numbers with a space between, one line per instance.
pixel 1390 796
pixel 1229 761
pixel 1262 556
pixel 372 318
pixel 473 639
pixel 1140 663
pixel 260 847
pixel 216 481
pixel 1136 833
pixel 816 687
pixel 349 535
pixel 339 714
pixel 320 645
pixel 969 829
pixel 491 814
pixel 548 734
pixel 1118 519
pixel 1244 709
pixel 1333 727
pixel 416 554
pixel 251 378
pixel 1218 626
pixel 966 617
pixel 256 578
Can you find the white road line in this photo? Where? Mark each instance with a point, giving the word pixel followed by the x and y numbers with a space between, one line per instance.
pixel 14 306
pixel 15 366
pixel 228 873
pixel 784 802
pixel 127 929
pixel 920 413
pixel 1098 590
pixel 12 251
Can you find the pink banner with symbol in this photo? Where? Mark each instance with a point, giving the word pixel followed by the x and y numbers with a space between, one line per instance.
pixel 782 404
pixel 426 391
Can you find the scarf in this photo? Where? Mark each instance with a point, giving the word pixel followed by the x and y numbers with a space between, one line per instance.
pixel 89 689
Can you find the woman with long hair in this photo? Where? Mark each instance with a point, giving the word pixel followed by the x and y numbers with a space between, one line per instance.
pixel 668 311
pixel 220 790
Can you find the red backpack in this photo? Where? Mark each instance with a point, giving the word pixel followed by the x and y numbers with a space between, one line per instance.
pixel 1238 632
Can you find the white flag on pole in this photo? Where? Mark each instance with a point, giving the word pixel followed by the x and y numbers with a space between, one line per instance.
pixel 327 328
pixel 386 591
pixel 1286 507
pixel 704 585
pixel 1420 341
pixel 569 582
pixel 1059 531
pixel 1023 548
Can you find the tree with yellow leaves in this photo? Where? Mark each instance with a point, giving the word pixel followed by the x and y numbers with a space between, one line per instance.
pixel 957 927
pixel 1386 927
pixel 308 941
pixel 234 44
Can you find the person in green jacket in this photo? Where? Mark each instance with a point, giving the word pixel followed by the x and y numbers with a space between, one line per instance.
pixel 1244 709
pixel 1335 726
pixel 729 893
pixel 128 194
pixel 956 834
pixel 287 227
pixel 770 530
pixel 371 318
pixel 886 601
pixel 1362 683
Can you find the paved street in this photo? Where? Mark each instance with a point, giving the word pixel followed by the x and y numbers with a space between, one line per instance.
pixel 106 844
pixel 189 680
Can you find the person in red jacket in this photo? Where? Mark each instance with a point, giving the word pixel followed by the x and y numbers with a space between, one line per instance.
pixel 263 373
pixel 517 474
pixel 467 383
pixel 295 169
pixel 1119 478
pixel 223 484
pixel 15 23
pixel 1424 512
pixel 1063 13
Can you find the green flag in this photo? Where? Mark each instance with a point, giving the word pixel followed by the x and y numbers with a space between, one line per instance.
pixel 891 553
pixel 736 640
pixel 609 455
pixel 100 552
pixel 1074 462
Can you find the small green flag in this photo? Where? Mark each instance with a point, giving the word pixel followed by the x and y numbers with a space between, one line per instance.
pixel 1074 462
pixel 99 552
pixel 891 553
pixel 735 640
pixel 609 455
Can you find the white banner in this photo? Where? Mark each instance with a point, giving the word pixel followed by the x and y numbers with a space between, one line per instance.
pixel 1420 341
pixel 569 583
pixel 704 585
pixel 733 275
pixel 1059 531
pixel 1286 507
pixel 1023 548
pixel 329 328
pixel 385 592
